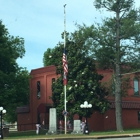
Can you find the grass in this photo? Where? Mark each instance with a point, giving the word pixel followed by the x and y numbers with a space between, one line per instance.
pixel 32 134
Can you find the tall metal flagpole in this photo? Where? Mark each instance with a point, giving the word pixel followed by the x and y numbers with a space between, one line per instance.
pixel 65 84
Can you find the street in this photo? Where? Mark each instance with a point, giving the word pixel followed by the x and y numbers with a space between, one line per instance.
pixel 126 138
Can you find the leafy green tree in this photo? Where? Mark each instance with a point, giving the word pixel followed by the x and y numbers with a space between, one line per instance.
pixel 19 94
pixel 83 79
pixel 117 43
pixel 14 89
pixel 47 58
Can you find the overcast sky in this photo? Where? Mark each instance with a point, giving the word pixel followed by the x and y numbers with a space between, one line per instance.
pixel 41 22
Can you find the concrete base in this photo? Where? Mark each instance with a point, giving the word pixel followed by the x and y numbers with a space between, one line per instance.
pixel 76 132
pixel 51 133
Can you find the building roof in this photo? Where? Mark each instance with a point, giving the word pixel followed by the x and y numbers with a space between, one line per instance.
pixel 128 104
pixel 23 109
pixel 45 107
pixel 51 68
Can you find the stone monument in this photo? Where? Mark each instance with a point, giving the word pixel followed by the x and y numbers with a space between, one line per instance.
pixel 77 127
pixel 52 121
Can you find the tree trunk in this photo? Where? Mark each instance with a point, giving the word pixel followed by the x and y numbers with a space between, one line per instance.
pixel 118 98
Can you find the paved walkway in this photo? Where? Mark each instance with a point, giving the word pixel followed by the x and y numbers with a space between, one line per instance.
pixel 83 137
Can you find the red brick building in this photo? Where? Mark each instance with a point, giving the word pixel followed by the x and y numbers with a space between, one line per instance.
pixel 40 102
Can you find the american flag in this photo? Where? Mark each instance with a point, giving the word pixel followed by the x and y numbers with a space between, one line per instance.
pixel 65 67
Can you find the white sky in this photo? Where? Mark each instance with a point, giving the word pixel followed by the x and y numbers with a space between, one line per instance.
pixel 41 22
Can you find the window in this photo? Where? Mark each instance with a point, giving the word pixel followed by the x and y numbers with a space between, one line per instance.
pixel 138 116
pixel 136 87
pixel 38 90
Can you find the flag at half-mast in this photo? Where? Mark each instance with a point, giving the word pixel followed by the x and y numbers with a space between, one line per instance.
pixel 65 67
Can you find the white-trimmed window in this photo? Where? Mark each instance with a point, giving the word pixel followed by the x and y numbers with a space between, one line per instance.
pixel 136 87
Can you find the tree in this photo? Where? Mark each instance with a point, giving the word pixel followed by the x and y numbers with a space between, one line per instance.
pixel 83 79
pixel 48 55
pixel 117 44
pixel 14 89
pixel 18 94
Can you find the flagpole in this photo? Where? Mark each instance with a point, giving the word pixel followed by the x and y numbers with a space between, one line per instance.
pixel 65 84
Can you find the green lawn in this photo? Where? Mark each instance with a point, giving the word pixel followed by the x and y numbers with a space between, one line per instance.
pixel 32 134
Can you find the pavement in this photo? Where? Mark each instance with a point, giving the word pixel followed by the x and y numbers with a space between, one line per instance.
pixel 82 137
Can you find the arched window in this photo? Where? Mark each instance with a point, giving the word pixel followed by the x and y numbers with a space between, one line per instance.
pixel 38 90
pixel 136 87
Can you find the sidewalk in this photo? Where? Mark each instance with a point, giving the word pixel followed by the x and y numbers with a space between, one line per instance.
pixel 83 137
